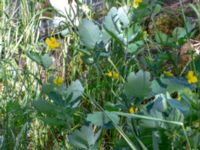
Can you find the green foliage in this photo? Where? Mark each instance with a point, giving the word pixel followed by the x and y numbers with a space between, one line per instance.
pixel 162 38
pixel 65 101
pixel 52 114
pixel 179 33
pixel 118 82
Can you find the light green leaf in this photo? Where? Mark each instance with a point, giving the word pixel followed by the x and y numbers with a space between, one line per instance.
pixel 162 38
pixel 74 91
pixel 179 33
pixel 43 60
pixel 173 85
pixel 89 33
pixel 170 85
pixel 133 47
pixel 84 138
pixel 105 37
pixel 175 115
pixel 160 103
pixel 113 25
pixel 138 85
pixel 122 13
pixel 156 88
pixel 35 57
pixel 151 123
pixel 46 61
pixel 157 9
pixel 100 119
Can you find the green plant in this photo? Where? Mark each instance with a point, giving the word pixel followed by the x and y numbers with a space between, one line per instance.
pixel 91 85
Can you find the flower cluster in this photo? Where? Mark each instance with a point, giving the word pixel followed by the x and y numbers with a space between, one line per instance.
pixel 112 74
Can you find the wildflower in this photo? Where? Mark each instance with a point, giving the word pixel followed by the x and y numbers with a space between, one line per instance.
pixel 133 109
pixel 136 3
pixel 109 74
pixel 168 73
pixel 113 75
pixel 58 81
pixel 52 43
pixel 116 75
pixel 191 78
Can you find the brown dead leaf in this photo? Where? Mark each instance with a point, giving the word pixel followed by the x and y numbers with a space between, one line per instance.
pixel 184 56
pixel 186 49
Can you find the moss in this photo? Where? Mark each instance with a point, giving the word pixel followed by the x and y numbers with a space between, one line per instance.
pixel 166 23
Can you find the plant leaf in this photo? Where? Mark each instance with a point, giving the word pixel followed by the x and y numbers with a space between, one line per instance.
pixel 113 25
pixel 74 91
pixel 100 119
pixel 84 138
pixel 46 61
pixel 89 33
pixel 138 85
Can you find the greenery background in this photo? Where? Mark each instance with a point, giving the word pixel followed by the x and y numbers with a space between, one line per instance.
pixel 121 83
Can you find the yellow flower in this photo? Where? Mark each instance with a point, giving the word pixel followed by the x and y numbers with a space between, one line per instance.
pixel 133 109
pixel 109 74
pixel 116 75
pixel 113 75
pixel 136 3
pixel 168 74
pixel 58 81
pixel 191 78
pixel 52 43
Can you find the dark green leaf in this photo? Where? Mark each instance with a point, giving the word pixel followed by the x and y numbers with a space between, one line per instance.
pixel 44 107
